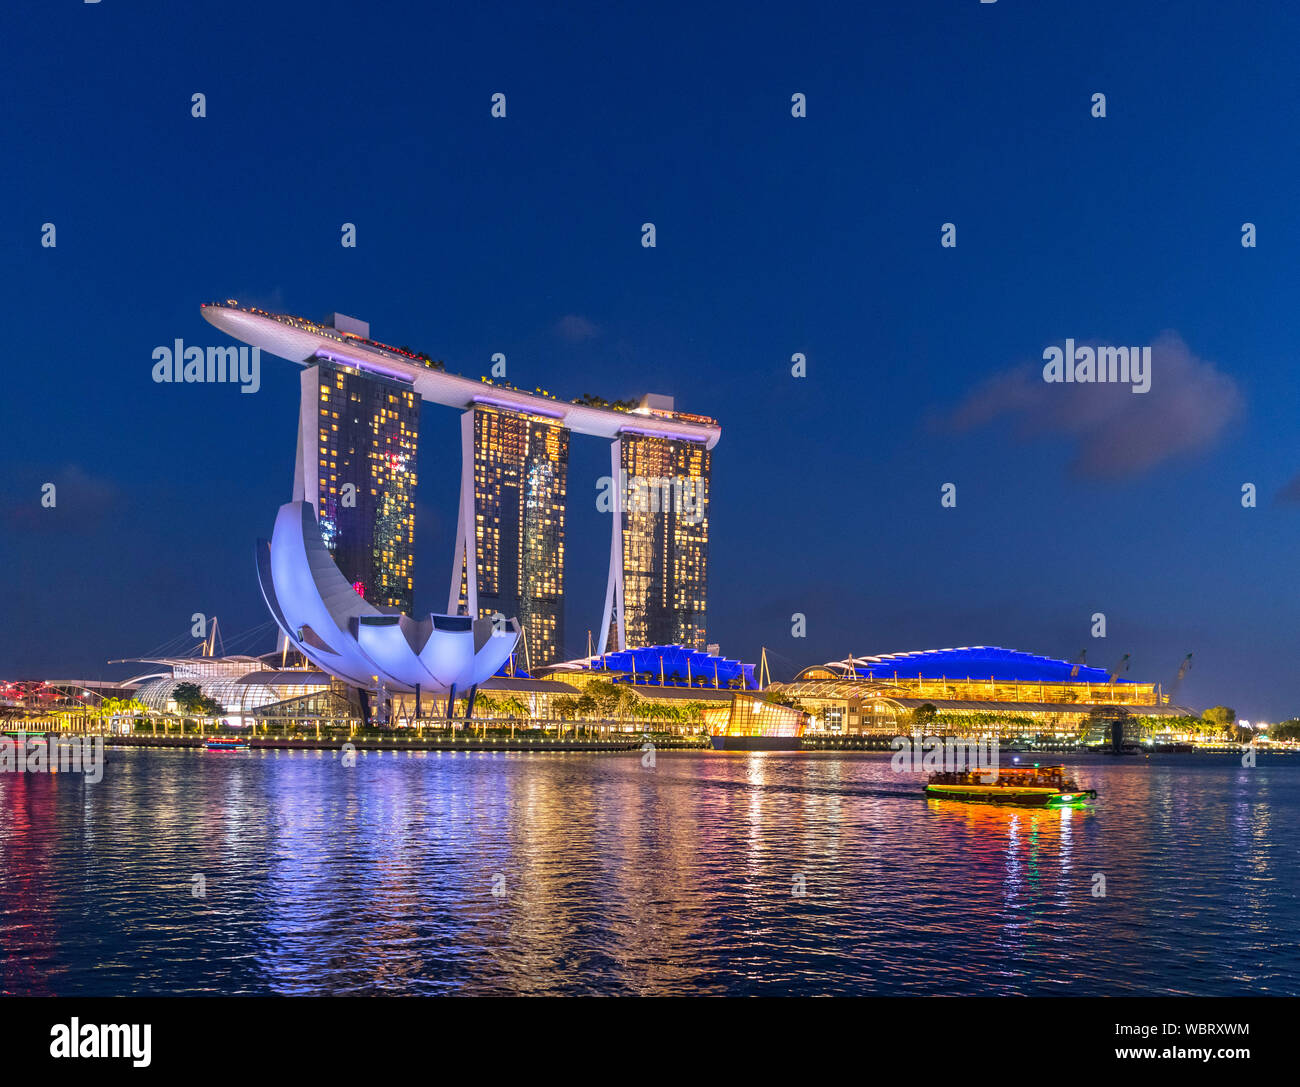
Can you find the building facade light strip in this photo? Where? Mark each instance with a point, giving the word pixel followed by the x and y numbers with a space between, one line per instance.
pixel 507 405
pixel 667 435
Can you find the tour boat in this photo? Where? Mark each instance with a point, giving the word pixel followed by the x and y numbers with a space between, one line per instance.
pixel 226 743
pixel 1036 786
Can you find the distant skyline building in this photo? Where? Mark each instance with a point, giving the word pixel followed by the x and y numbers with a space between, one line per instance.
pixel 516 475
pixel 358 440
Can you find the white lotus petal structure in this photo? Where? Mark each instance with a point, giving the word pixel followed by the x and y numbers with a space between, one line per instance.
pixel 339 632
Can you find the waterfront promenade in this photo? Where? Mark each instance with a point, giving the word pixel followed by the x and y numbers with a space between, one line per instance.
pixel 541 736
pixel 431 734
pixel 399 742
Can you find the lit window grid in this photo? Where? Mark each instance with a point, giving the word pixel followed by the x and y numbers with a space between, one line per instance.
pixel 520 488
pixel 372 542
pixel 665 556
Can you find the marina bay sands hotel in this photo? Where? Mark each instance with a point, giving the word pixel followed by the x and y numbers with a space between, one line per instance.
pixel 358 433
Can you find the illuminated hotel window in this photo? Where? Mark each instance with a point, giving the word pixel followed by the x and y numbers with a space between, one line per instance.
pixel 520 465
pixel 665 568
pixel 371 540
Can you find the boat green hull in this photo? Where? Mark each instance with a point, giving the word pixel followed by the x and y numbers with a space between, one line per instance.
pixel 995 794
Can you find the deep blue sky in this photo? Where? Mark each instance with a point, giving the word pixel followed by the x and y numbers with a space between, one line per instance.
pixel 775 235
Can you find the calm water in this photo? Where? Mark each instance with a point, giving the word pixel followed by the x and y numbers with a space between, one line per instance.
pixel 619 879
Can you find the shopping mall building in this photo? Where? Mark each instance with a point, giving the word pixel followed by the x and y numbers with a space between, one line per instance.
pixel 974 689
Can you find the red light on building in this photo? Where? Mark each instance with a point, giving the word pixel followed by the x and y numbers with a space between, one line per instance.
pixel 359 589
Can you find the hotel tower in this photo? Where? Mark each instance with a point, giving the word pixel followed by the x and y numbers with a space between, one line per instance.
pixel 357 444
pixel 520 465
pixel 358 434
pixel 665 549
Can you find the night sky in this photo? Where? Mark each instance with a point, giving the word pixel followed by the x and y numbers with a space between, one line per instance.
pixel 775 235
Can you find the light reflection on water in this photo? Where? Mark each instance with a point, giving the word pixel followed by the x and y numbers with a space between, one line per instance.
pixel 621 879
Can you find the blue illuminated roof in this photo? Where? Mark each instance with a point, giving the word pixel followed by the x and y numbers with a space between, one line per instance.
pixel 675 663
pixel 976 662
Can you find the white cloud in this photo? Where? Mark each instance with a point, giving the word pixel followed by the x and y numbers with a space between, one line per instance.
pixel 576 328
pixel 1115 432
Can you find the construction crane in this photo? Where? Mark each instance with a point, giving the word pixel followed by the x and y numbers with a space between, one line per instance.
pixel 1120 668
pixel 1081 662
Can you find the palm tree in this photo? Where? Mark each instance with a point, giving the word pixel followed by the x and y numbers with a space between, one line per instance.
pixel 628 700
pixel 514 707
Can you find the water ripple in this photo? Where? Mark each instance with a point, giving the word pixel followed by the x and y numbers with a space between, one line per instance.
pixel 709 874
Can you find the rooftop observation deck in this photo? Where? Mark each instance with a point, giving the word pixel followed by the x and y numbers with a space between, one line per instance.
pixel 302 341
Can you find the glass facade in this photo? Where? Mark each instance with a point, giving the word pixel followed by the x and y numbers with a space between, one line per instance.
pixel 976 688
pixel 366 472
pixel 665 541
pixel 751 716
pixel 521 466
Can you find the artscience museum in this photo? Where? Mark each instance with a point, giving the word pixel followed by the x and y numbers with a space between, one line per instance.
pixel 366 646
